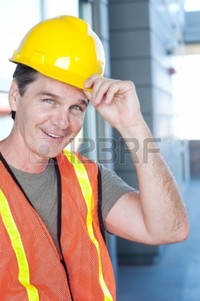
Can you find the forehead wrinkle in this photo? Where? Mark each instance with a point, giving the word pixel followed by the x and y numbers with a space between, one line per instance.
pixel 47 94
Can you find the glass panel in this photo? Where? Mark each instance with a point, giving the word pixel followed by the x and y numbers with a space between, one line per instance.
pixel 5 118
pixel 192 5
pixel 4 104
pixel 16 17
pixel 186 97
pixel 54 8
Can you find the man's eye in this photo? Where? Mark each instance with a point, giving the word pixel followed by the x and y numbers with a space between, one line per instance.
pixel 77 108
pixel 48 100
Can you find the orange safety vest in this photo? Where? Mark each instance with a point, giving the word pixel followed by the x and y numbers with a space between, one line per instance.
pixel 30 266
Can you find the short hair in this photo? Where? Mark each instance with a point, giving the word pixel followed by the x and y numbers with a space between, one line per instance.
pixel 24 75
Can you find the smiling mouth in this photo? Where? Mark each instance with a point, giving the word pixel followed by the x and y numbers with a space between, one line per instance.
pixel 54 136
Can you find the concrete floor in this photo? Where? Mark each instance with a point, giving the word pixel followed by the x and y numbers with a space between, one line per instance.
pixel 176 275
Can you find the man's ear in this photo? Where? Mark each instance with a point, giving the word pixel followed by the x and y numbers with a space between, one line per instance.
pixel 12 95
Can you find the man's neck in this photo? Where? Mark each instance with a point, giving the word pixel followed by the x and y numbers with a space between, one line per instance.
pixel 22 160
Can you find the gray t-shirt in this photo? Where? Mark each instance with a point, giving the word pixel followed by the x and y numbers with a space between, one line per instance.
pixel 41 190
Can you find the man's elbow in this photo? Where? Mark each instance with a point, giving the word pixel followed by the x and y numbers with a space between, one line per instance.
pixel 178 234
pixel 183 232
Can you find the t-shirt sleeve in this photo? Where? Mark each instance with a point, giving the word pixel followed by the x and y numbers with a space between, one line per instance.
pixel 113 187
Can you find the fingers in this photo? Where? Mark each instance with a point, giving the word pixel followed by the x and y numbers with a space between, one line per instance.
pixel 102 89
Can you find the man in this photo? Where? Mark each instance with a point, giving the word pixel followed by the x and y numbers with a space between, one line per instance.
pixel 52 245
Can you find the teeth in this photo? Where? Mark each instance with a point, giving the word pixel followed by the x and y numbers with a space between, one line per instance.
pixel 53 135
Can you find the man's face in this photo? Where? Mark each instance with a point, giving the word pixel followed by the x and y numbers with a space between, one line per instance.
pixel 48 117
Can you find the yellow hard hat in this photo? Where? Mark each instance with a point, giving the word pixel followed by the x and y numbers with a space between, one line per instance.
pixel 64 48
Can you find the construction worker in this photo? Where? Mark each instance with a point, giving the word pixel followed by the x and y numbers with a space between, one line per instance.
pixel 55 204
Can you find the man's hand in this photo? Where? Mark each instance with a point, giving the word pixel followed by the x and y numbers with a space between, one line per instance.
pixel 115 100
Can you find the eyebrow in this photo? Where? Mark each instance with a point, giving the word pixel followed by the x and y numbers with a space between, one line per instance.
pixel 83 101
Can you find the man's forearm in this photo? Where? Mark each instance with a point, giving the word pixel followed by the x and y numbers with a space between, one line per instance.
pixel 163 209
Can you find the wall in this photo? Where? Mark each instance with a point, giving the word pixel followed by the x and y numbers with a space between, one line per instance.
pixel 142 35
pixel 104 130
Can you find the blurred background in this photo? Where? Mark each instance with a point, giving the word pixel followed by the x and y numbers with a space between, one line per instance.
pixel 156 44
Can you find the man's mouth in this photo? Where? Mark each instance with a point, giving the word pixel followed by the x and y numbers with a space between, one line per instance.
pixel 54 136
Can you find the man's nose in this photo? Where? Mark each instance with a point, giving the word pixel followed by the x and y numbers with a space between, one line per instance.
pixel 61 119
